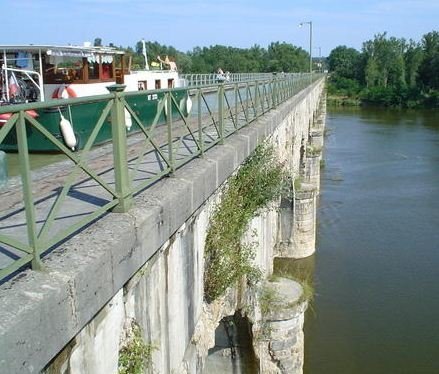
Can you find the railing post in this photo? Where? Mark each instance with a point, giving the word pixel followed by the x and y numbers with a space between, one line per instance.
pixel 200 126
pixel 288 88
pixel 221 112
pixel 256 98
pixel 118 130
pixel 236 104
pixel 247 92
pixel 273 92
pixel 169 127
pixel 26 181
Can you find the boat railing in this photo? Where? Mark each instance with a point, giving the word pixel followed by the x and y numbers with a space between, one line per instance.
pixel 42 209
pixel 10 78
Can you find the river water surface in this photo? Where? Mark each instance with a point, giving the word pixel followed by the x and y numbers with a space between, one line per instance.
pixel 376 276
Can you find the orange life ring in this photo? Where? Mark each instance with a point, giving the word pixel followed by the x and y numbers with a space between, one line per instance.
pixel 63 92
pixel 6 116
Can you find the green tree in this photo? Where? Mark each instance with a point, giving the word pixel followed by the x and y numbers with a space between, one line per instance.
pixel 429 69
pixel 384 61
pixel 413 58
pixel 344 62
pixel 286 57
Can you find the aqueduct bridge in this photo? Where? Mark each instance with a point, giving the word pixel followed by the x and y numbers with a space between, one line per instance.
pixel 73 287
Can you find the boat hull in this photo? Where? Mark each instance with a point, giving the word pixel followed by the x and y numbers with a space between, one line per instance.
pixel 84 117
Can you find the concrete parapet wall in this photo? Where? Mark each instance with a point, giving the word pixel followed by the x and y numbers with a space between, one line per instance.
pixel 145 265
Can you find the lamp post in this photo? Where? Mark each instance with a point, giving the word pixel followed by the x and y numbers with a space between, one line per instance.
pixel 310 42
pixel 320 59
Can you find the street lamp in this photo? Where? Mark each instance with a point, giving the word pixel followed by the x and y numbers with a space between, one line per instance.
pixel 310 42
pixel 320 64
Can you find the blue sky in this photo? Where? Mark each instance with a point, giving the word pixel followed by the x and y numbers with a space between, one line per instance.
pixel 191 23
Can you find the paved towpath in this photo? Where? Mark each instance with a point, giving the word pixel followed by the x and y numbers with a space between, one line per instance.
pixel 86 195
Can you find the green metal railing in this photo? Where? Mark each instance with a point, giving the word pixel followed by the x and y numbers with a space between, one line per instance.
pixel 36 221
pixel 213 78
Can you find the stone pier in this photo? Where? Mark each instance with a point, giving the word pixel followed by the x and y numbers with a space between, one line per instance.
pixel 298 207
pixel 304 225
pixel 281 348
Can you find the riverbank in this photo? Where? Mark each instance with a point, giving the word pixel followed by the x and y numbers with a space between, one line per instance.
pixel 382 97
pixel 341 100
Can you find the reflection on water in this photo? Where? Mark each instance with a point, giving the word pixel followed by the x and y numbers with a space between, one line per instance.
pixel 301 270
pixel 377 290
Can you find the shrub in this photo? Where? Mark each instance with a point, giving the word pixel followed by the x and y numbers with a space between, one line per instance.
pixel 258 181
pixel 136 355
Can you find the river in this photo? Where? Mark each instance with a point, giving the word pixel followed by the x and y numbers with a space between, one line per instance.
pixel 376 269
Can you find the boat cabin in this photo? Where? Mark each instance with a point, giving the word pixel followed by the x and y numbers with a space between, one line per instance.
pixel 38 73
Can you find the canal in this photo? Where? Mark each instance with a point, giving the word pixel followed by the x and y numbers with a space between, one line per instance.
pixel 376 269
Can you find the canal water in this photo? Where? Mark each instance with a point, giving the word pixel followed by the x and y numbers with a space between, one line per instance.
pixel 376 270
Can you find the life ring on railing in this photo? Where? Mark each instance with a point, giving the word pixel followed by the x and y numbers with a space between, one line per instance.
pixel 64 92
pixel 5 117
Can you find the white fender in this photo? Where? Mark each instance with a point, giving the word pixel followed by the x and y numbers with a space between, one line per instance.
pixel 188 105
pixel 67 132
pixel 128 120
pixel 166 107
pixel 64 94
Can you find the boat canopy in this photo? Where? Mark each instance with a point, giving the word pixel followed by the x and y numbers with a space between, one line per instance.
pixel 69 50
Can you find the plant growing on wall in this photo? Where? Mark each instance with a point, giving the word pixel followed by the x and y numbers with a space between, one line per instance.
pixel 135 356
pixel 258 181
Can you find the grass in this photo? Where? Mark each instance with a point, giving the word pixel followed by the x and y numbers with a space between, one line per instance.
pixel 301 271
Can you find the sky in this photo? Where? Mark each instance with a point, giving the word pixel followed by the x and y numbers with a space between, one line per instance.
pixel 238 23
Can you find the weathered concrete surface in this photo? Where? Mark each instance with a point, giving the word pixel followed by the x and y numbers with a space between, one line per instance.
pixel 160 242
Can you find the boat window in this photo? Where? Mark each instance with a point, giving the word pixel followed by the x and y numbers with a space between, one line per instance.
pixel 93 70
pixel 100 67
pixel 59 69
pixel 107 71
pixel 170 83
pixel 158 84
pixel 20 60
pixel 142 85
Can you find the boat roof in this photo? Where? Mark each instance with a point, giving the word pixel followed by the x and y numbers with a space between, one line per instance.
pixel 57 50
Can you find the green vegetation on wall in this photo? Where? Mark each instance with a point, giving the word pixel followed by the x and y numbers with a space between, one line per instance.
pixel 258 181
pixel 136 356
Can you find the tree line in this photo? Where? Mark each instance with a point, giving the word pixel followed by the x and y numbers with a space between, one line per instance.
pixel 277 57
pixel 388 71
